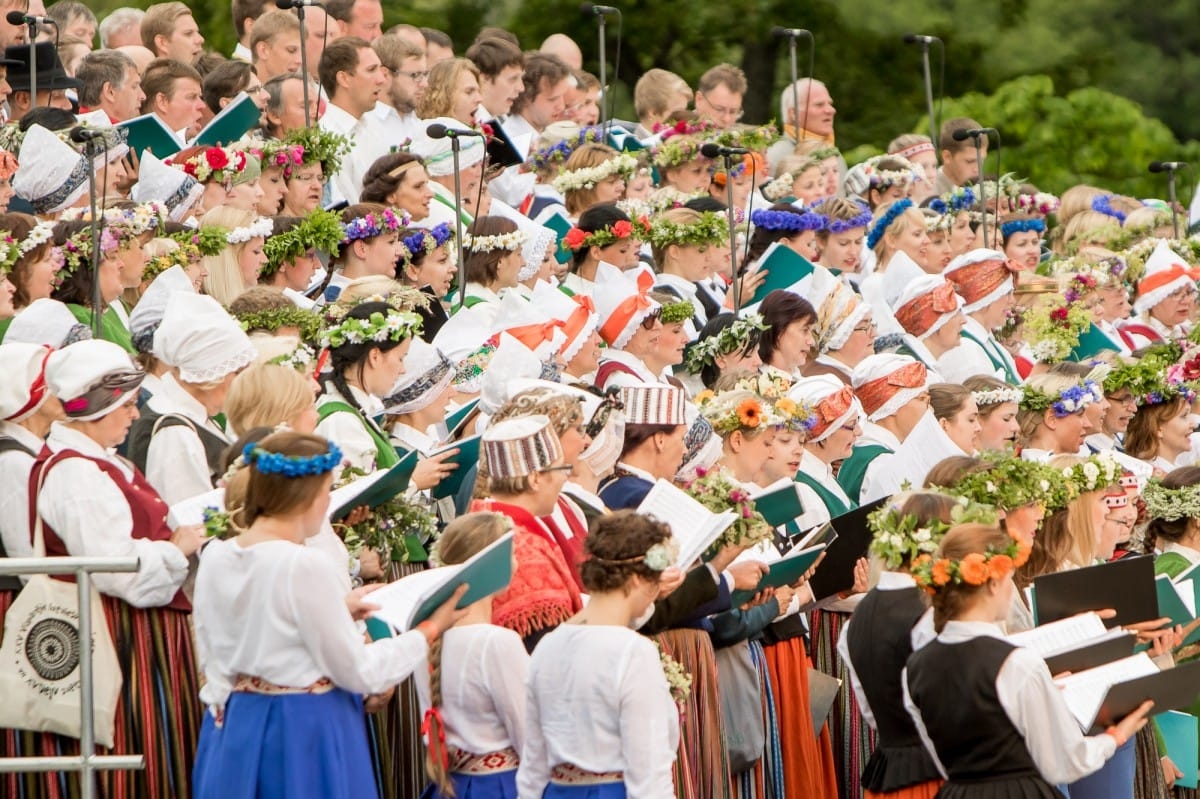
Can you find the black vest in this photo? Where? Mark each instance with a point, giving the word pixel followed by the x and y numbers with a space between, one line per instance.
pixel 143 430
pixel 954 687
pixel 880 641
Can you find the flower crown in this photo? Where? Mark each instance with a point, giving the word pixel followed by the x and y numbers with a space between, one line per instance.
pixel 512 242
pixel 771 383
pixel 283 155
pixel 894 212
pixel 1070 400
pixel 321 230
pixel 427 240
pixel 622 164
pixel 1171 504
pixel 292 465
pixel 1010 482
pixel 672 313
pixel 560 152
pixel 998 396
pixel 659 557
pixel 901 536
pixel 579 239
pixel 1041 202
pixel 260 228
pixel 974 569
pixel 730 411
pixel 218 164
pixel 302 359
pixel 320 146
pixel 77 250
pixel 378 327
pixel 183 255
pixel 372 225
pixel 938 222
pixel 1097 472
pixel 881 179
pixel 271 319
pixel 839 226
pixel 1022 226
pixel 1103 205
pixel 10 251
pixel 41 233
pixel 797 222
pixel 734 338
pixel 679 143
pixel 954 202
pixel 142 218
pixel 711 228
pixel 795 416
pixel 1053 331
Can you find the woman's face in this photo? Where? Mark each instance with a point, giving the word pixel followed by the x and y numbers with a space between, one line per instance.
pixel 588 357
pixel 783 458
pixel 306 420
pixel 622 253
pixel 197 272
pixel 298 274
pixel 1112 304
pixel 961 235
pixel 924 188
pixel 251 260
pixel 644 341
pixel 963 428
pixel 133 263
pixel 840 442
pixel 804 244
pixel 113 176
pixel 381 252
pixel 1117 528
pixel 1121 408
pixel 831 169
pixel 1024 248
pixel 382 369
pixel 859 345
pixel 947 337
pixel 547 268
pixel 793 345
pixel 1070 433
pixel 436 271
pixel 507 270
pixel 939 254
pixel 809 186
pixel 892 193
pixel 574 441
pixel 639 187
pixel 1174 434
pixel 1177 307
pixel 843 251
pixel 7 289
pixel 273 188
pixel 611 189
pixel 466 98
pixel 302 193
pixel 914 241
pixel 739 359
pixel 246 196
pixel 911 412
pixel 7 192
pixel 749 462
pixel 998 430
pixel 1022 523
pixel 672 341
pixel 689 177
pixel 995 315
pixel 39 282
pixel 1095 413
pixel 111 283
pixel 413 194
pixel 691 262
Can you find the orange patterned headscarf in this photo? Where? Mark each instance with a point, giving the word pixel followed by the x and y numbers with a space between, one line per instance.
pixel 874 393
pixel 829 410
pixel 976 281
pixel 919 315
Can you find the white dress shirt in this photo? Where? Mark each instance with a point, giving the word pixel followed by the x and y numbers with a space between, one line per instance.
pixel 395 127
pixel 970 358
pixel 90 514
pixel 176 464
pixel 277 611
pixel 598 699
pixel 367 143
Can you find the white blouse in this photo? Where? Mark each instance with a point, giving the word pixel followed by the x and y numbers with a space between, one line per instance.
pixel 598 700
pixel 277 611
pixel 15 467
pixel 349 430
pixel 483 688
pixel 176 464
pixel 90 514
pixel 1034 705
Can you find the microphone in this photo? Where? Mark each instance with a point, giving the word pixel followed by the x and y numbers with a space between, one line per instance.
pixel 597 11
pixel 789 33
pixel 713 150
pixel 81 135
pixel 1166 166
pixel 963 135
pixel 917 38
pixel 439 131
pixel 287 4
pixel 19 18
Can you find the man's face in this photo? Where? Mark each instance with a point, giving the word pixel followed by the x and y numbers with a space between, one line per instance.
pixel 11 35
pixel 366 20
pixel 5 86
pixel 184 109
pixel 409 84
pixel 126 102
pixel 962 167
pixel 278 56
pixel 549 103
pixel 499 91
pixel 292 116
pixel 820 111
pixel 720 105
pixel 315 22
pixel 362 87
pixel 185 43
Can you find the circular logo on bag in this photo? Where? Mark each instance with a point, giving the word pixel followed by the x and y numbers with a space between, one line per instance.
pixel 52 647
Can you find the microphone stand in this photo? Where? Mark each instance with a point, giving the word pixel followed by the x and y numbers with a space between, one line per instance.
pixel 792 71
pixel 982 199
pixel 604 87
pixel 933 137
pixel 304 65
pixel 89 149
pixel 1171 200
pixel 730 220
pixel 458 231
pixel 33 90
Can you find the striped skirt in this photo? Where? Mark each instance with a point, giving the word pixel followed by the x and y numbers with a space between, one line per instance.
pixel 702 764
pixel 158 715
pixel 807 760
pixel 853 739
pixel 765 780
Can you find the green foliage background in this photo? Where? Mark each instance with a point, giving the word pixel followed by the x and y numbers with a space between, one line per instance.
pixel 1086 91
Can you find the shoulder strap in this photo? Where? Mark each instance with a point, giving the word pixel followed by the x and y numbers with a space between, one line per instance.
pixel 854 469
pixel 12 445
pixel 608 368
pixel 172 420
pixel 385 453
pixel 833 503
pixel 327 409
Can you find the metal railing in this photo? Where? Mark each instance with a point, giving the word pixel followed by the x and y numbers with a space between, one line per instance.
pixel 87 762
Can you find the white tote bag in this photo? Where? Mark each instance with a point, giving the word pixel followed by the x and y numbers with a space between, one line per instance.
pixel 39 658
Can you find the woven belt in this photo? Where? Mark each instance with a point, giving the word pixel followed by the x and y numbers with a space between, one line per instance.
pixel 463 762
pixel 567 774
pixel 257 685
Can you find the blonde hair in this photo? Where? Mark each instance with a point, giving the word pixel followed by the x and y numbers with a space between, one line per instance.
pixel 1076 200
pixel 1050 383
pixel 586 157
pixel 443 83
pixel 885 247
pixel 678 216
pixel 1079 545
pixel 224 282
pixel 267 395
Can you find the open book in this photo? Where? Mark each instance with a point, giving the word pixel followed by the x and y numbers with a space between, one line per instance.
pixel 236 118
pixel 1076 644
pixel 694 526
pixel 148 132
pixel 411 600
pixel 784 571
pixel 191 510
pixel 1181 733
pixel 1104 695
pixel 372 490
pixel 779 503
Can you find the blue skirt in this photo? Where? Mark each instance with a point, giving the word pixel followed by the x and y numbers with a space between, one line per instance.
pixel 500 785
pixel 611 790
pixel 293 746
pixel 1114 780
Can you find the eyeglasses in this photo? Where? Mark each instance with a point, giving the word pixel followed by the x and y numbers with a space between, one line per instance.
pixel 734 113
pixel 259 89
pixel 864 327
pixel 1127 399
pixel 1126 523
pixel 419 77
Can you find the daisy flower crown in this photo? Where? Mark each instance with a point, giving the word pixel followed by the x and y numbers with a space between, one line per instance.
pixel 580 239
pixel 372 225
pixel 258 229
pixel 1070 400
pixel 1097 472
pixel 680 143
pixel 973 569
pixel 142 218
pixel 997 396
pixel 901 536
pixel 623 164
pixel 378 327
pixel 1011 482
pixel 734 338
pixel 292 465
pixel 503 241
pixel 183 255
pixel 302 359
pixel 41 234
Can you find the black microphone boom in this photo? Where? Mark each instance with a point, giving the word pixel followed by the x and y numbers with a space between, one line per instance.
pixel 80 134
pixel 439 131
pixel 713 150
pixel 1166 166
pixel 589 9
pixel 19 18
pixel 963 135
pixel 918 38
pixel 287 4
pixel 789 33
